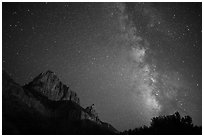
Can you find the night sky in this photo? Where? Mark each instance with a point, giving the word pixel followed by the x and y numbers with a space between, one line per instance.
pixel 132 60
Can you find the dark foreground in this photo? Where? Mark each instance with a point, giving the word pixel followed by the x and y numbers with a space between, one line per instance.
pixel 167 125
pixel 46 106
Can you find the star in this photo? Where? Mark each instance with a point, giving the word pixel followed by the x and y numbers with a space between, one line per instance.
pixel 140 58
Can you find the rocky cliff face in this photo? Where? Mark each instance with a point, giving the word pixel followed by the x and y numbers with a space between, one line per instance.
pixel 46 106
pixel 49 85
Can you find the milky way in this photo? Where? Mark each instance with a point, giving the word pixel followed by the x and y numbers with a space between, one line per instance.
pixel 142 75
pixel 133 61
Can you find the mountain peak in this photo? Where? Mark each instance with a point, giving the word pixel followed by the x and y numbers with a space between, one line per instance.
pixel 49 72
pixel 50 86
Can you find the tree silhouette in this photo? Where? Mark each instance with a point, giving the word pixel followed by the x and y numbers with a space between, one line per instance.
pixel 168 125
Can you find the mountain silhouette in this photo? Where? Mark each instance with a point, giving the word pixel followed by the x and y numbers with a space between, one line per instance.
pixel 47 106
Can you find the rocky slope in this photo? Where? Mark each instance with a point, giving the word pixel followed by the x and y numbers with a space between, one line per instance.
pixel 49 85
pixel 47 106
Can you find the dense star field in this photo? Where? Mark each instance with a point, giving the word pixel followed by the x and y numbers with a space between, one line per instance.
pixel 132 60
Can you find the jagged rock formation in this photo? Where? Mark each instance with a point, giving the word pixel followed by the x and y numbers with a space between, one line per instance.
pixel 46 106
pixel 92 113
pixel 49 85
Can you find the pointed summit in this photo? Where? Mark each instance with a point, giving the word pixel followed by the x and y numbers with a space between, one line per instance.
pixel 49 72
pixel 49 85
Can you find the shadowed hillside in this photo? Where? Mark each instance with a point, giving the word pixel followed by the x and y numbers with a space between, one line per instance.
pixel 47 106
